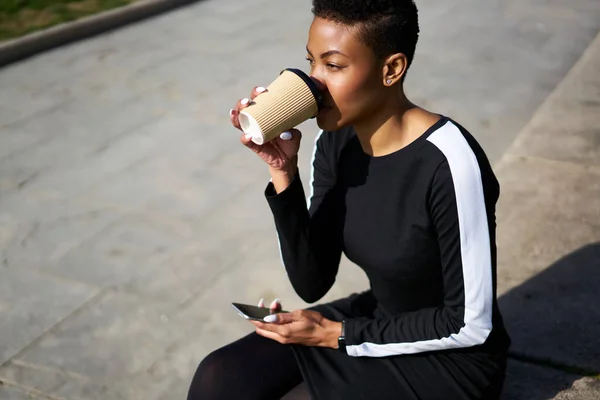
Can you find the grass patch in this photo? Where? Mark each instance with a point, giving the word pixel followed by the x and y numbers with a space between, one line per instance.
pixel 20 17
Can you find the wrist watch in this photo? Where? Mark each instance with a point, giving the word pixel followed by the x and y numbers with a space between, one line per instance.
pixel 342 339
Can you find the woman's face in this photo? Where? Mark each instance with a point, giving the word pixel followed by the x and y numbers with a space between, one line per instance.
pixel 350 72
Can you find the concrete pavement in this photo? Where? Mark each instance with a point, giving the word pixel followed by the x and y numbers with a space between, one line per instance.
pixel 130 217
pixel 549 242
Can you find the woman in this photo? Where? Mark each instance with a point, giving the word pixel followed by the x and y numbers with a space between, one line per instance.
pixel 406 194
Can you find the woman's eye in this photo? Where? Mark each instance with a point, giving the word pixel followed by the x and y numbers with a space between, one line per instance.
pixel 331 67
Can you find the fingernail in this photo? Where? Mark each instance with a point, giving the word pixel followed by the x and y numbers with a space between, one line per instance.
pixel 285 136
pixel 270 318
pixel 275 303
pixel 231 112
pixel 261 303
pixel 260 89
pixel 248 136
pixel 245 101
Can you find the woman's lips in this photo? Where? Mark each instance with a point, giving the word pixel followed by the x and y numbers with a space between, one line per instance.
pixel 323 112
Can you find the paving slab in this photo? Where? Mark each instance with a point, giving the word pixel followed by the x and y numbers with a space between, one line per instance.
pixel 38 243
pixel 113 256
pixel 12 393
pixel 32 304
pixel 546 212
pixel 96 344
pixel 567 128
pixel 43 378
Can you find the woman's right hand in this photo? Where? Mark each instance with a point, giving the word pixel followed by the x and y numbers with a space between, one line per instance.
pixel 281 153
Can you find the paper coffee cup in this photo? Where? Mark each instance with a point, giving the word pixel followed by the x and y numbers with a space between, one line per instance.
pixel 290 99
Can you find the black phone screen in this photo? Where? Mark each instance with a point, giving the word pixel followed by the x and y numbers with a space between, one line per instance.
pixel 252 312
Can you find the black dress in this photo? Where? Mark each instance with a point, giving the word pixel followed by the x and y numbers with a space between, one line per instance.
pixel 421 223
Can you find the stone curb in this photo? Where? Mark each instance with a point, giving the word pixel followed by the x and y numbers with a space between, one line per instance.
pixel 37 42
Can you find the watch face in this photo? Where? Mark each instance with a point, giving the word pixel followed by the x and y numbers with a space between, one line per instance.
pixel 342 344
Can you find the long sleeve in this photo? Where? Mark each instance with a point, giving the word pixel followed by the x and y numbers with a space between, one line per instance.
pixel 310 239
pixel 457 208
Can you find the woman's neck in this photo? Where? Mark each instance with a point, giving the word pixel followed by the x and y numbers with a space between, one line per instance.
pixel 392 127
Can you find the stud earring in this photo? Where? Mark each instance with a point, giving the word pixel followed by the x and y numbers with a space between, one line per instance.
pixel 389 81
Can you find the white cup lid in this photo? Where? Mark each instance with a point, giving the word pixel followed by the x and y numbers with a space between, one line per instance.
pixel 250 126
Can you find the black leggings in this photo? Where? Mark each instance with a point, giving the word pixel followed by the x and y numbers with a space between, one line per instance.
pixel 252 367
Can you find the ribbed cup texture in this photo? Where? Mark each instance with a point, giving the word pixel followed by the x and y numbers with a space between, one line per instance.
pixel 287 103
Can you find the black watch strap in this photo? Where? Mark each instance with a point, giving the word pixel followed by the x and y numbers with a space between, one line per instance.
pixel 342 339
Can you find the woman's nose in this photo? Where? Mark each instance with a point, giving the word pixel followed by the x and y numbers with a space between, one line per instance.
pixel 319 82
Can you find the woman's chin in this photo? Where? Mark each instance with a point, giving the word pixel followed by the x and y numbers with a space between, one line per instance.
pixel 326 123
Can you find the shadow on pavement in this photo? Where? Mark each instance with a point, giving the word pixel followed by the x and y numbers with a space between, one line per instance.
pixel 554 322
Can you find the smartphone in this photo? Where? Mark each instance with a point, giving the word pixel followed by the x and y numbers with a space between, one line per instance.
pixel 253 312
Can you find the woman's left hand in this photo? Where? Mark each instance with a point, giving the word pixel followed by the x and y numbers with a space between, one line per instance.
pixel 303 327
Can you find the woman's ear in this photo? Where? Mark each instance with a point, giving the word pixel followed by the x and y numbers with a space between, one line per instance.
pixel 394 68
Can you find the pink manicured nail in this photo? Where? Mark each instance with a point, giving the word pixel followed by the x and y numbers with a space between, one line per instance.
pixel 275 303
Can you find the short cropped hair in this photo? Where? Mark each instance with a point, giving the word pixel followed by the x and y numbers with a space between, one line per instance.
pixel 386 26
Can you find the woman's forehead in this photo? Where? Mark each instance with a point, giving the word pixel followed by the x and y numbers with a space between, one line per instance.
pixel 325 35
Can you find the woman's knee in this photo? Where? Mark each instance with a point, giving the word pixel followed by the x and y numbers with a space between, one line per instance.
pixel 210 378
